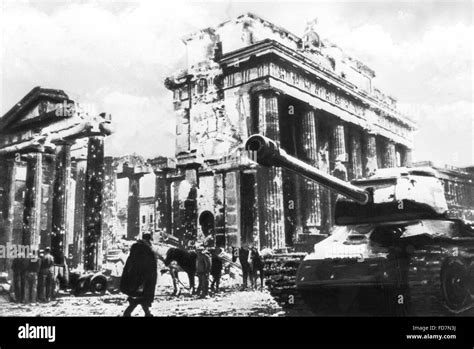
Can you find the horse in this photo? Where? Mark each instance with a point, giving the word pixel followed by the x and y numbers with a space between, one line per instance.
pixel 251 264
pixel 178 259
pixel 256 265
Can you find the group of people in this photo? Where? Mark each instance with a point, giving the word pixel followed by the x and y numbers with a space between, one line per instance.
pixel 139 275
pixel 207 264
pixel 33 278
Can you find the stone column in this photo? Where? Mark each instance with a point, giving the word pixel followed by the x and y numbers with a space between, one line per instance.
pixel 356 155
pixel 337 150
pixel 60 204
pixel 109 201
pixel 370 154
pixel 338 141
pixel 389 155
pixel 7 202
pixel 78 239
pixel 32 203
pixel 93 202
pixel 163 201
pixel 324 135
pixel 219 210
pixel 269 179
pixel 406 157
pixel 189 211
pixel 311 210
pixel 133 213
pixel 232 209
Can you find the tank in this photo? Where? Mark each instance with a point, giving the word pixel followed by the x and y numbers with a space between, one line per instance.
pixel 395 249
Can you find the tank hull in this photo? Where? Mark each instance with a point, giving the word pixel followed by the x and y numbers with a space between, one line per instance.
pixel 417 275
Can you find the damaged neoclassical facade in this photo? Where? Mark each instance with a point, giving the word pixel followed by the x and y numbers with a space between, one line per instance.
pixel 249 76
pixel 52 177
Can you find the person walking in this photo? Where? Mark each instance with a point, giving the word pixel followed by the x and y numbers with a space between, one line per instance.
pixel 139 276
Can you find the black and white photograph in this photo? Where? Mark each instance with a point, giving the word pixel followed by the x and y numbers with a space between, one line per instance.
pixel 237 159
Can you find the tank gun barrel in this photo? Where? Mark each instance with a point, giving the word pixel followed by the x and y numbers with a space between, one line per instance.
pixel 270 154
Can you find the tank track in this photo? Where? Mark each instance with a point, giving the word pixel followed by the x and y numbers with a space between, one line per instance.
pixel 425 289
pixel 280 274
pixel 424 284
pixel 423 294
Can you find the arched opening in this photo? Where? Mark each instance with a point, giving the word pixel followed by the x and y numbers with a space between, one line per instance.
pixel 206 221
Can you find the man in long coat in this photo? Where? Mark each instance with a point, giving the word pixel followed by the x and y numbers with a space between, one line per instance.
pixel 139 276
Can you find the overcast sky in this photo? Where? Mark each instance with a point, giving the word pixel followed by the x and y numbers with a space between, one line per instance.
pixel 116 55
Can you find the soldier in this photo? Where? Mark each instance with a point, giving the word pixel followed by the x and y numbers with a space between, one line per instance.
pixel 47 275
pixel 31 280
pixel 203 268
pixel 19 268
pixel 139 276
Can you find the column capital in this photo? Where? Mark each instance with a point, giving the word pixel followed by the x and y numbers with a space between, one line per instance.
pixel 64 142
pixel 264 88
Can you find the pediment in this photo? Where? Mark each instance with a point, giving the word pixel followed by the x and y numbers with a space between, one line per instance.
pixel 37 109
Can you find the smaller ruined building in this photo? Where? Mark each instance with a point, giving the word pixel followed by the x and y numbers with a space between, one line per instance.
pixel 248 76
pixel 52 177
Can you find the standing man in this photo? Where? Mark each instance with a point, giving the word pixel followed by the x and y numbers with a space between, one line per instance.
pixel 139 276
pixel 203 268
pixel 31 280
pixel 47 275
pixel 19 269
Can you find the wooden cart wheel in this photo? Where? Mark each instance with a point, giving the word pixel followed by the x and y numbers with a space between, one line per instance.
pixel 455 283
pixel 98 285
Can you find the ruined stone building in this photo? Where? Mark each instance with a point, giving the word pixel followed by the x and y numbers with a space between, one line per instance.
pixel 52 177
pixel 458 188
pixel 248 76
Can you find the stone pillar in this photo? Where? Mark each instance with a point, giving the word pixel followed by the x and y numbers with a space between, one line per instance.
pixel 78 239
pixel 269 179
pixel 7 208
pixel 60 204
pixel 370 154
pixel 133 213
pixel 356 155
pixel 389 155
pixel 93 202
pixel 189 211
pixel 219 210
pixel 337 150
pixel 338 142
pixel 311 210
pixel 406 157
pixel 324 133
pixel 249 208
pixel 32 203
pixel 109 210
pixel 163 201
pixel 232 209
